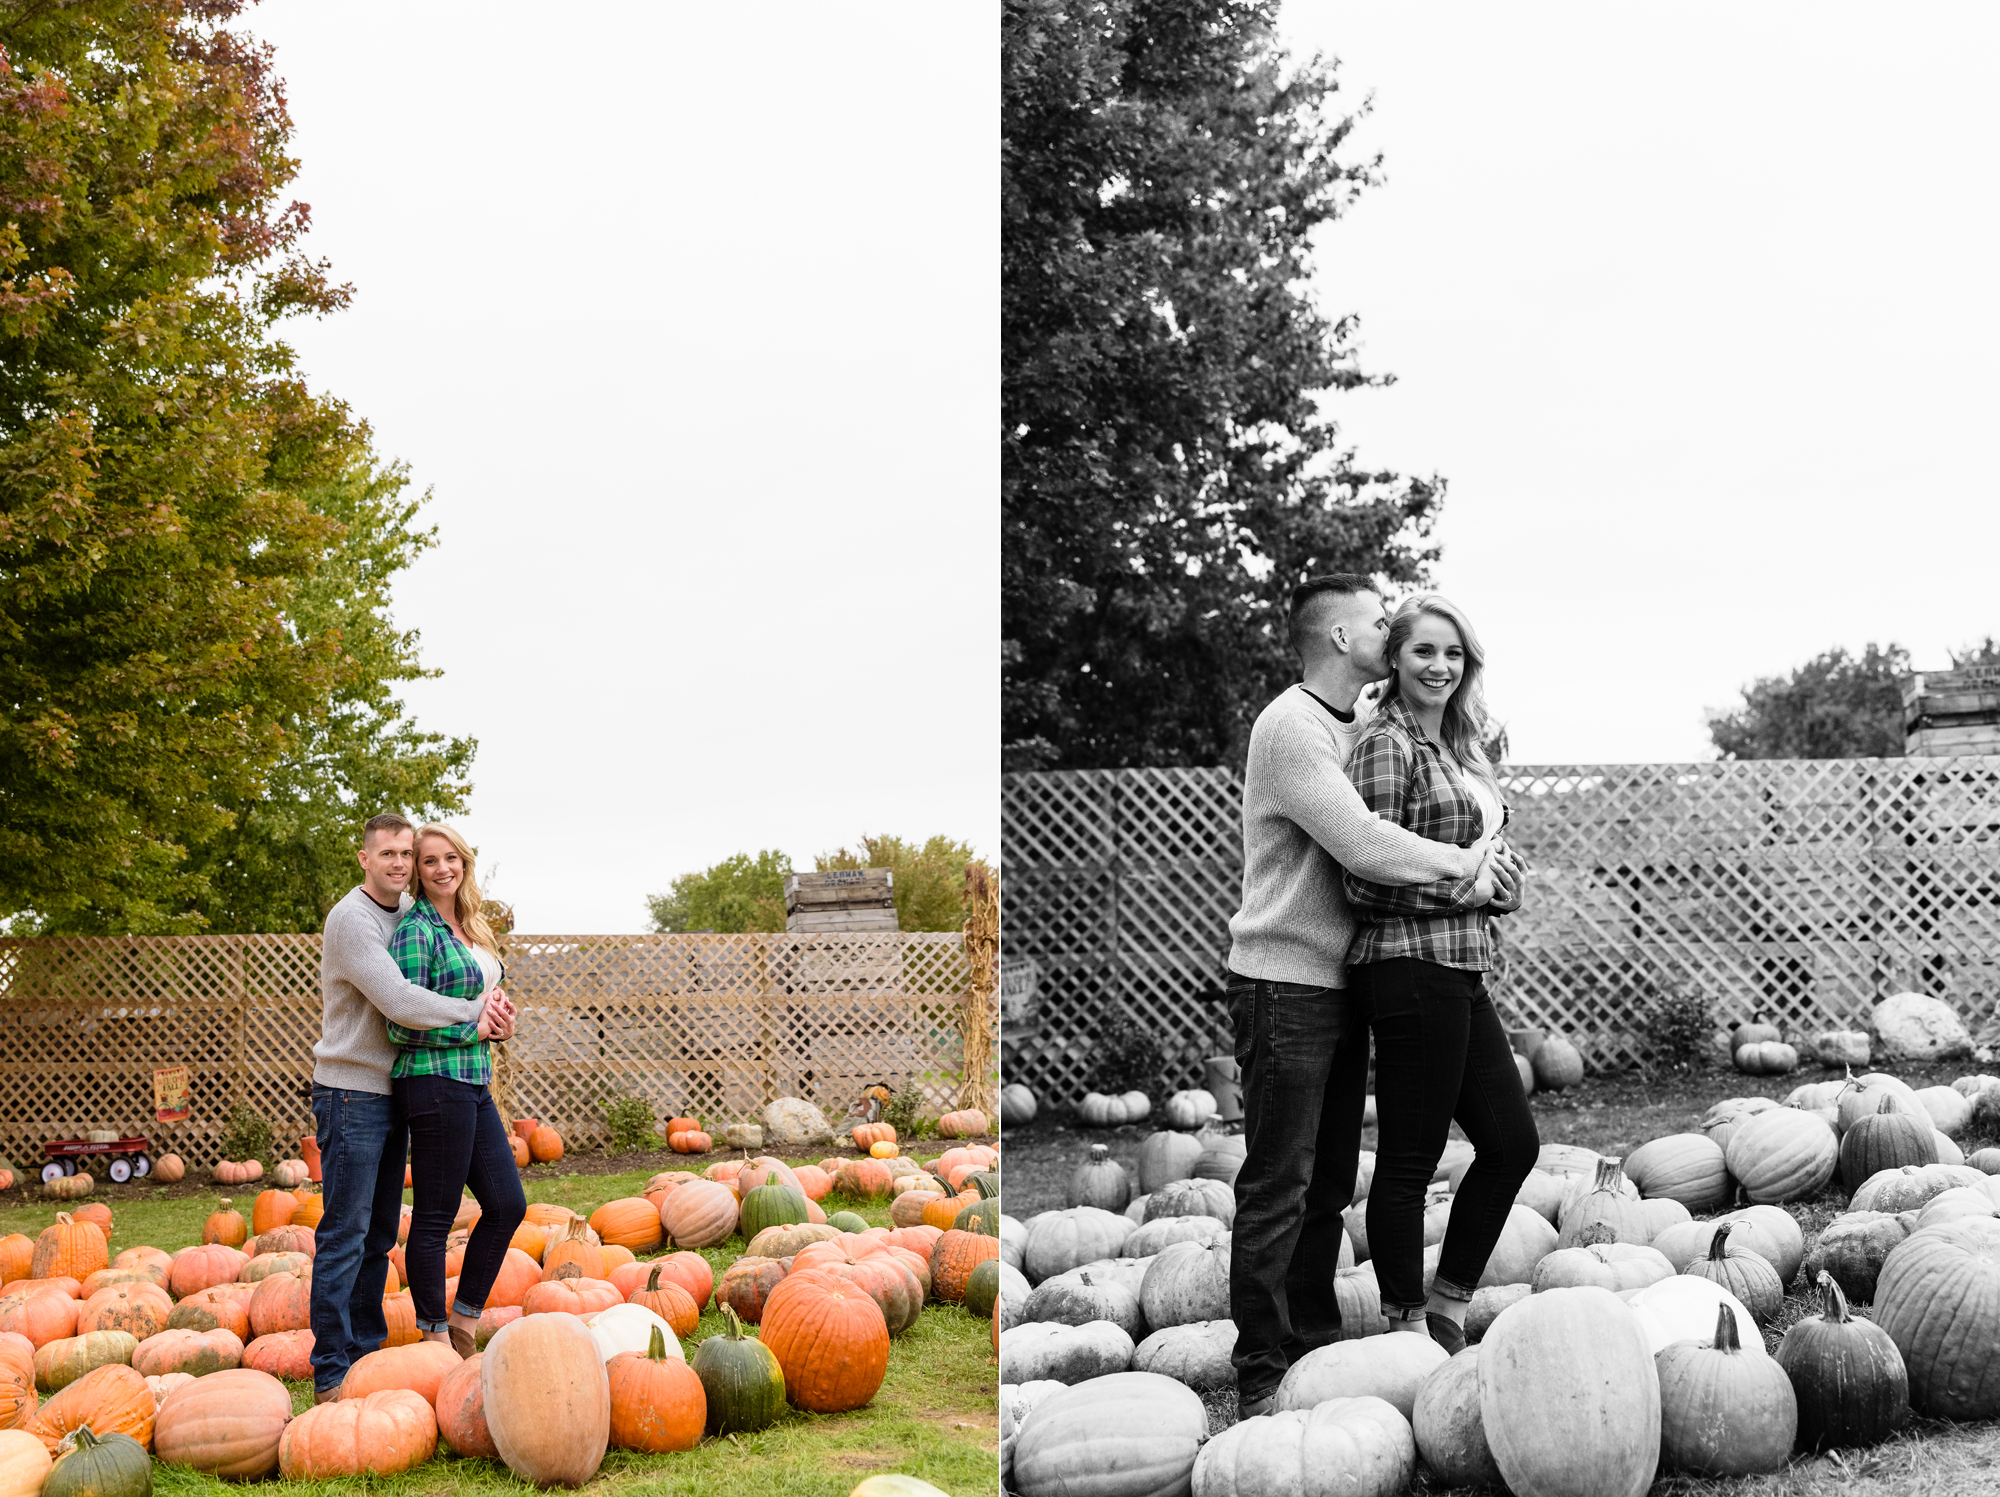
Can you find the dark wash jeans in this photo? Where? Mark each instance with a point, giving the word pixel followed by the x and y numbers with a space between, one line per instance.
pixel 361 1146
pixel 1440 1056
pixel 456 1139
pixel 1303 1056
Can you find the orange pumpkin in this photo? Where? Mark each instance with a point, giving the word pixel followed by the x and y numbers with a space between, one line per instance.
pixel 919 1239
pixel 235 1172
pixel 399 1312
pixel 522 1157
pixel 747 1284
pixel 388 1432
pixel 204 1267
pixel 865 1177
pixel 690 1141
pixel 813 1181
pixel 545 1145
pixel 287 1239
pixel 830 1338
pixel 953 1259
pixel 282 1302
pixel 111 1400
pixel 98 1212
pixel 668 1300
pixel 284 1354
pixel 17 1397
pixel 968 1122
pixel 517 1273
pixel 272 1208
pixel 531 1238
pixel 226 1305
pixel 227 1424
pixel 490 1320
pixel 17 1252
pixel 17 1353
pixel 683 1125
pixel 169 1168
pixel 629 1221
pixel 544 1214
pixel 724 1170
pixel 942 1212
pixel 616 1256
pixel 883 1150
pixel 569 1294
pixel 140 1308
pixel 574 1246
pixel 657 1401
pixel 420 1368
pixel 700 1214
pixel 907 1210
pixel 461 1412
pixel 848 1246
pixel 42 1317
pixel 226 1227
pixel 69 1248
pixel 867 1135
pixel 311 1207
pixel 197 1353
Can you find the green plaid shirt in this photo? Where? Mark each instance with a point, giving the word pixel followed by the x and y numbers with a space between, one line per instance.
pixel 432 957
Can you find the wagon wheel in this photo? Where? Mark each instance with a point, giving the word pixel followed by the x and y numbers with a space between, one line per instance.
pixel 142 1165
pixel 68 1163
pixel 52 1171
pixel 120 1169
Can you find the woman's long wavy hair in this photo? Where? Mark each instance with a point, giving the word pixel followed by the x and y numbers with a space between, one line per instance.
pixel 471 903
pixel 1465 726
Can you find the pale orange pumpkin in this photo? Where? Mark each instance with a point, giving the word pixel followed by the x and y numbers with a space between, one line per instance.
pixel 517 1273
pixel 388 1432
pixel 17 1252
pixel 867 1135
pixel 226 1424
pixel 420 1368
pixel 461 1411
pixel 169 1168
pixel 629 1221
pixel 690 1141
pixel 575 1246
pixel 399 1312
pixel 282 1302
pixel 522 1158
pixel 69 1248
pixel 700 1214
pixel 813 1181
pixel 226 1227
pixel 284 1354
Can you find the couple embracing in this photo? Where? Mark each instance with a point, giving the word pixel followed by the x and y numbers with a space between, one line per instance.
pixel 410 978
pixel 1373 864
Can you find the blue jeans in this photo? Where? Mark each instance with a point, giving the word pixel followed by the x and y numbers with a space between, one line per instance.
pixel 457 1139
pixel 362 1143
pixel 1303 1056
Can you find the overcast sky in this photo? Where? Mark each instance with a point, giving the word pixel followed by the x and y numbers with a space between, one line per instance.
pixel 687 315
pixel 1695 307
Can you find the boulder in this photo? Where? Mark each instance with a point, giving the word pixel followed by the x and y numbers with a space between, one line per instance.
pixel 791 1122
pixel 743 1136
pixel 1910 1026
pixel 1842 1047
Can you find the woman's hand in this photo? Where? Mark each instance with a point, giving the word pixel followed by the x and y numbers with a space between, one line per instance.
pixel 1509 875
pixel 497 1022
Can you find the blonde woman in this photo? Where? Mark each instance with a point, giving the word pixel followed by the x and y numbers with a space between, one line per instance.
pixel 1417 971
pixel 457 1137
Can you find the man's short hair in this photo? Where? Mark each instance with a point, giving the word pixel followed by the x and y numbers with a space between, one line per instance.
pixel 1332 584
pixel 388 821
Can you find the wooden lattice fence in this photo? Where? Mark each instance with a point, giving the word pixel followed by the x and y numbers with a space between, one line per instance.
pixel 711 1025
pixel 1811 889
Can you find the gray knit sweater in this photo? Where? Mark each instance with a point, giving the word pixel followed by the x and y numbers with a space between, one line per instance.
pixel 1303 820
pixel 359 984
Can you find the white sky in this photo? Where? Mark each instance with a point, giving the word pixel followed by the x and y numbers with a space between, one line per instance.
pixel 688 315
pixel 1695 307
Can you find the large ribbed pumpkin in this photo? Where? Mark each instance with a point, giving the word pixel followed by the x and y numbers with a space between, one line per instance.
pixel 576 1245
pixel 419 1368
pixel 830 1338
pixel 1888 1138
pixel 204 1267
pixel 226 1424
pixel 140 1308
pixel 1684 1167
pixel 109 1399
pixel 1126 1434
pixel 658 1403
pixel 62 1362
pixel 287 1354
pixel 1851 1384
pixel 282 1302
pixel 630 1221
pixel 701 1213
pixel 1854 1246
pixel 389 1431
pixel 1569 1396
pixel 1723 1413
pixel 197 1353
pixel 1939 1299
pixel 461 1411
pixel 1782 1155
pixel 1743 1272
pixel 547 1400
pixel 69 1248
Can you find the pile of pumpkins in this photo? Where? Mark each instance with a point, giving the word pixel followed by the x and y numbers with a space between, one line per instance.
pixel 1614 1333
pixel 184 1356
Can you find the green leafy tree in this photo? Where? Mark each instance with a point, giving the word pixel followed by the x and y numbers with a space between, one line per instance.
pixel 928 878
pixel 290 853
pixel 1835 706
pixel 745 892
pixel 167 482
pixel 1168 472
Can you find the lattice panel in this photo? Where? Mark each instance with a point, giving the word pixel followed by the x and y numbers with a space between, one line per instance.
pixel 716 1025
pixel 1807 889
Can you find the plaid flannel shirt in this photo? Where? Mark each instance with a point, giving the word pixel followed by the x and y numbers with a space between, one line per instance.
pixel 1405 777
pixel 432 957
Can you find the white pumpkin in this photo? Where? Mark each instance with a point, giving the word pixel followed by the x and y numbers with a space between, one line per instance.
pixel 1683 1308
pixel 1188 1109
pixel 1359 1447
pixel 1390 1367
pixel 1950 1109
pixel 630 1328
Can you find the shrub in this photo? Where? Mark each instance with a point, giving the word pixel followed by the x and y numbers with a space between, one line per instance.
pixel 905 1113
pixel 1677 1026
pixel 249 1137
pixel 1129 1058
pixel 631 1123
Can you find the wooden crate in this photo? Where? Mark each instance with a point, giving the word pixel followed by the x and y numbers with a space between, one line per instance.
pixel 841 901
pixel 1952 712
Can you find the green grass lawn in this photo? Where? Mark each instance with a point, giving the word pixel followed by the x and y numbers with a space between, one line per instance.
pixel 934 1416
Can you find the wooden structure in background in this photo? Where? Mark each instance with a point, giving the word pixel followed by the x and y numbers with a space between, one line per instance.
pixel 1952 712
pixel 1808 888
pixel 841 901
pixel 713 1025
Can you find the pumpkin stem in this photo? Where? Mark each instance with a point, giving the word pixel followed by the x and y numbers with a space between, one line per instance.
pixel 653 1279
pixel 1725 1330
pixel 1609 1172
pixel 1718 1245
pixel 1888 1103
pixel 84 1437
pixel 1836 1302
pixel 732 1323
pixel 656 1346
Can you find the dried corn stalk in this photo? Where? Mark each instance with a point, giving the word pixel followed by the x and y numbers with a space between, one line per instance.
pixel 982 955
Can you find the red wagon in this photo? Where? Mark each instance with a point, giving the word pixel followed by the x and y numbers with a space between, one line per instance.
pixel 128 1157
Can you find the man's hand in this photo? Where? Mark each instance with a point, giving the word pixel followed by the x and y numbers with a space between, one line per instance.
pixel 497 1022
pixel 1509 876
pixel 1485 883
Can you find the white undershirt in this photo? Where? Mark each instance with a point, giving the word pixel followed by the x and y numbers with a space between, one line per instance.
pixel 1489 803
pixel 489 968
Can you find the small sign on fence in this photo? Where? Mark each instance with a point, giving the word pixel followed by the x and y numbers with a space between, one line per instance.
pixel 173 1095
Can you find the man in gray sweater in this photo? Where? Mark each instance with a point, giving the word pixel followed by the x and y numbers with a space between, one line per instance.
pixel 362 1143
pixel 1302 1055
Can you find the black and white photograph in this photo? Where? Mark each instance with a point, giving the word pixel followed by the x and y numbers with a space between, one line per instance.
pixel 1500 750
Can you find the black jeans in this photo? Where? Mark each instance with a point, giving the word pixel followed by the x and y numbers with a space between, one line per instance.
pixel 456 1139
pixel 1440 1056
pixel 1303 1055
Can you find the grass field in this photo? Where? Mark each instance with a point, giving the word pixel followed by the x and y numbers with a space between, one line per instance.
pixel 1931 1457
pixel 934 1416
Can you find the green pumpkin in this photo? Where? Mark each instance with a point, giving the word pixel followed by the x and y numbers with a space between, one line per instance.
pixel 114 1466
pixel 982 1288
pixel 980 1216
pixel 848 1221
pixel 772 1205
pixel 740 1374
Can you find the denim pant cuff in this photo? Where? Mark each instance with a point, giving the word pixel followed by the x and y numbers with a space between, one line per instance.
pixel 433 1325
pixel 1443 1286
pixel 1402 1312
pixel 471 1312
